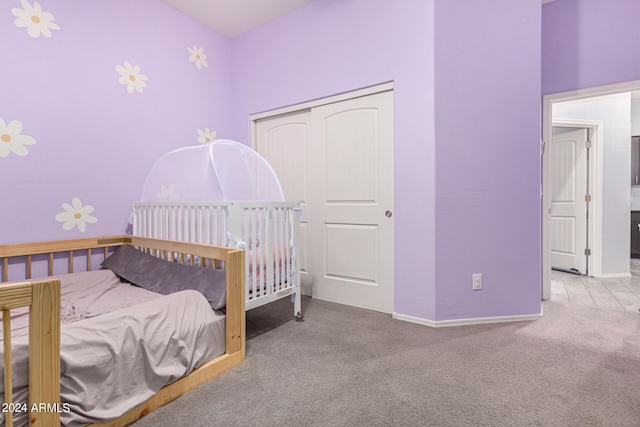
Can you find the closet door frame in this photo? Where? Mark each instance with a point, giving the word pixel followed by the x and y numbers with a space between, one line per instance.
pixel 381 300
pixel 315 103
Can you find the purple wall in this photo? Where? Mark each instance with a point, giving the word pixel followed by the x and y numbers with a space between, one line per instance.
pixel 94 140
pixel 328 47
pixel 487 111
pixel 484 161
pixel 467 100
pixel 589 43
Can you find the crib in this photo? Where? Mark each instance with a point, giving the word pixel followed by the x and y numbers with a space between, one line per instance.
pixel 224 193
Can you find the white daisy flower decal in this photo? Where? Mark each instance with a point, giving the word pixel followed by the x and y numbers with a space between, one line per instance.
pixel 130 76
pixel 167 192
pixel 198 56
pixel 11 139
pixel 37 22
pixel 76 215
pixel 206 136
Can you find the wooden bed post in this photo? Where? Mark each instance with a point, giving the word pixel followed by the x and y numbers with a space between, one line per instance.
pixel 44 351
pixel 236 327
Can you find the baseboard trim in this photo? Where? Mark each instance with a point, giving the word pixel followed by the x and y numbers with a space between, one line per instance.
pixel 614 275
pixel 463 322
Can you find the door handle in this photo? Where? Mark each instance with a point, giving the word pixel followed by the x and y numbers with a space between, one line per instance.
pixel 388 214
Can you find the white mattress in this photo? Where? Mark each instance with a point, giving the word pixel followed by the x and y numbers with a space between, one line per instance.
pixel 120 344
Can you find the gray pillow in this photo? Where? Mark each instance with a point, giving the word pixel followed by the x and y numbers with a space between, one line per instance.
pixel 166 277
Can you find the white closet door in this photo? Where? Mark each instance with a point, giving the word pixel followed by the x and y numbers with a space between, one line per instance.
pixel 352 179
pixel 338 159
pixel 283 141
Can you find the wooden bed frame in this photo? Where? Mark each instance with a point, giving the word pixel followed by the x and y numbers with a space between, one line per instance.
pixel 42 296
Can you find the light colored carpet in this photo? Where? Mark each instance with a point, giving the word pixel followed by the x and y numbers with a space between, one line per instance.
pixel 576 366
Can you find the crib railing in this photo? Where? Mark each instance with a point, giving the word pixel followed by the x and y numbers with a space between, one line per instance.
pixel 182 221
pixel 268 231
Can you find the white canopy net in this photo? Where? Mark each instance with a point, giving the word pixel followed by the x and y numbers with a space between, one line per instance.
pixel 218 171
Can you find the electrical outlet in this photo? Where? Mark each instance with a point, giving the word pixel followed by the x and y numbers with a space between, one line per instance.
pixel 477 282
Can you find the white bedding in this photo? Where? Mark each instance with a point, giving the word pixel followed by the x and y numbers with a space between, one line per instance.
pixel 119 345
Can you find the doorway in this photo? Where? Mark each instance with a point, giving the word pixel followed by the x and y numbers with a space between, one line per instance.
pixel 597 239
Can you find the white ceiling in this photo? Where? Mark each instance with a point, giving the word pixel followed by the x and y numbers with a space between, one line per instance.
pixel 233 17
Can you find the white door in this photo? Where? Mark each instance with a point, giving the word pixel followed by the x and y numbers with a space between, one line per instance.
pixel 568 203
pixel 283 141
pixel 348 192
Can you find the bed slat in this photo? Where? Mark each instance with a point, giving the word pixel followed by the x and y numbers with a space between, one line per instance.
pixel 28 266
pixel 8 372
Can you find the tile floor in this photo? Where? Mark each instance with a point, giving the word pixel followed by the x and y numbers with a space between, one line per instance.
pixel 622 293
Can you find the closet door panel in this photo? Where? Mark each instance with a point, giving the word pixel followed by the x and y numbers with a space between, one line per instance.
pixel 352 180
pixel 283 141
